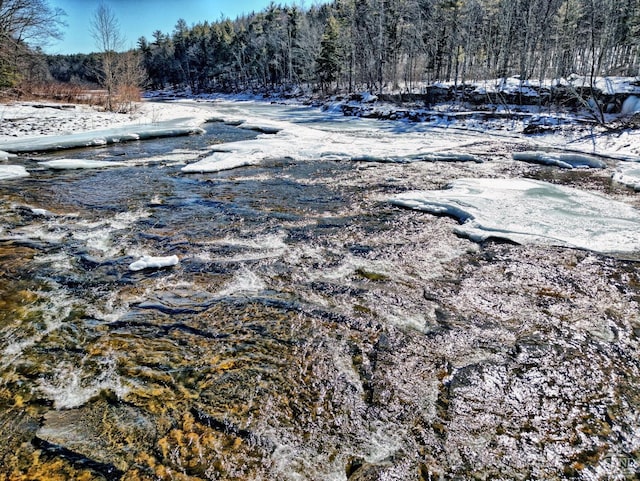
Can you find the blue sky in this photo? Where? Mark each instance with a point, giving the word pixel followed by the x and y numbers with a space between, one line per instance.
pixel 139 18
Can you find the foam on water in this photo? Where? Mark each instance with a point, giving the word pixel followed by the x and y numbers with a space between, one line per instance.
pixel 246 282
pixel 260 247
pixel 60 261
pixel 99 235
pixel 52 312
pixel 70 387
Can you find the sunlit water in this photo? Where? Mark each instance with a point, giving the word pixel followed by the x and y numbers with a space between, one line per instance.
pixel 312 331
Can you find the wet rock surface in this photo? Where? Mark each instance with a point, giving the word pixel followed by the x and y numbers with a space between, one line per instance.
pixel 310 331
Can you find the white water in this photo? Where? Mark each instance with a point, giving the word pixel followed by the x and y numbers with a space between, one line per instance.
pixel 402 269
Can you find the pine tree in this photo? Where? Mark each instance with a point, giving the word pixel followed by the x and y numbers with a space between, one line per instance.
pixel 329 60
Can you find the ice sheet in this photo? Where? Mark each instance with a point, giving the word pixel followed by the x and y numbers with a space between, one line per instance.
pixel 534 212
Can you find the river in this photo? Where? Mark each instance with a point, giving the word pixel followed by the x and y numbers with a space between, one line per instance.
pixel 311 330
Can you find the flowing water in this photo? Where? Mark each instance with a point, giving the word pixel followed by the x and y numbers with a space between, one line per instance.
pixel 311 331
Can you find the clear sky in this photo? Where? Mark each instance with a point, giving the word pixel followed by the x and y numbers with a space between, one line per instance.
pixel 139 18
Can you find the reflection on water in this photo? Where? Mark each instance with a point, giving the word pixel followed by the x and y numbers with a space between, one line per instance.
pixel 308 333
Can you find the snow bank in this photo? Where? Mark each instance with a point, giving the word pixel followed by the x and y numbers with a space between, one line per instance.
pixel 631 105
pixel 12 172
pixel 368 97
pixel 70 164
pixel 628 173
pixel 565 161
pixel 534 212
pixel 148 262
pixel 4 156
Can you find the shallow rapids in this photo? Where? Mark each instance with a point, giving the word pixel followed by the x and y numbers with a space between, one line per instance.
pixel 311 330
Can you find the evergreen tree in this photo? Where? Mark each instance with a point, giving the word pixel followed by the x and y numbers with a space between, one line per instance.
pixel 329 60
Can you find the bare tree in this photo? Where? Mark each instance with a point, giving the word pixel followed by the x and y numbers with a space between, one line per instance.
pixel 24 24
pixel 105 30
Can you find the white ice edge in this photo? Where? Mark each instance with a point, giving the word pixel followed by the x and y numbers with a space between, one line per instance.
pixel 532 212
pixel 149 262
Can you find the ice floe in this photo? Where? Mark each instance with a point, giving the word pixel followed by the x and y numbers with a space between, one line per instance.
pixel 12 172
pixel 532 212
pixel 71 164
pixel 563 160
pixel 149 262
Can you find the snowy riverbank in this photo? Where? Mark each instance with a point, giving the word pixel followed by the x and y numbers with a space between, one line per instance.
pixel 27 119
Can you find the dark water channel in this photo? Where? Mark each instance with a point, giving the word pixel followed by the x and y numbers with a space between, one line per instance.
pixel 311 331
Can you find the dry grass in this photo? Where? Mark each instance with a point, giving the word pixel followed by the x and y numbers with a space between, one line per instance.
pixel 123 101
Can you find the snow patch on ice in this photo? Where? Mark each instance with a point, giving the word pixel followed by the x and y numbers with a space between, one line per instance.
pixel 220 161
pixel 4 156
pixel 303 142
pixel 40 212
pixel 528 211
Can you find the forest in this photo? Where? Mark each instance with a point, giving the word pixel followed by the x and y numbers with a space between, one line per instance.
pixel 383 45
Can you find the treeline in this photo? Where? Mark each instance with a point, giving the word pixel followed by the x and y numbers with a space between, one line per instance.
pixel 391 44
pixel 352 45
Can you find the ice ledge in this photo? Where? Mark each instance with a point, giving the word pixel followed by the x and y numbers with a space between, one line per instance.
pixel 173 128
pixel 532 212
